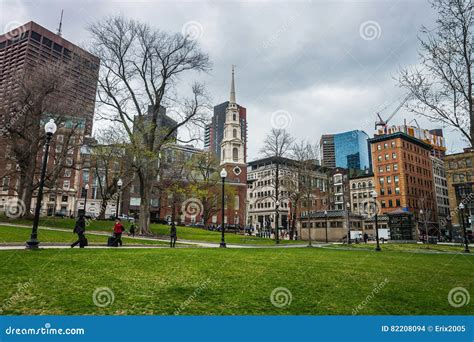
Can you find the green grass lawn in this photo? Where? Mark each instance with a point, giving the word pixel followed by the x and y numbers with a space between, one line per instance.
pixel 202 281
pixel 404 247
pixel 185 233
pixel 15 235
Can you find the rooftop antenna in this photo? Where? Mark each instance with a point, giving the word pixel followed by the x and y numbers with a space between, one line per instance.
pixel 60 28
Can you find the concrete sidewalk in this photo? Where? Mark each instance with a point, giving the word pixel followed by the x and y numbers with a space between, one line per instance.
pixel 190 243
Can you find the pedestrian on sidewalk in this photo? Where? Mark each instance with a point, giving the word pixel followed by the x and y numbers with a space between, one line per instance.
pixel 118 230
pixel 80 230
pixel 132 230
pixel 173 235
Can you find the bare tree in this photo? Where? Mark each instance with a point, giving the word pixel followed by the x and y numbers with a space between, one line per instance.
pixel 277 146
pixel 108 164
pixel 41 91
pixel 204 183
pixel 309 187
pixel 140 70
pixel 442 87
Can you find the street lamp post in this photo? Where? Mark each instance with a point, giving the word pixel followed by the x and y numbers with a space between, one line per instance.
pixel 374 196
pixel 119 187
pixel 86 187
pixel 50 129
pixel 466 242
pixel 326 216
pixel 223 177
pixel 277 220
pixel 348 208
pixel 425 226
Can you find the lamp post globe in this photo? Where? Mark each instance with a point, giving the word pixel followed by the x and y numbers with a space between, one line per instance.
pixel 223 177
pixel 50 128
pixel 119 187
pixel 86 187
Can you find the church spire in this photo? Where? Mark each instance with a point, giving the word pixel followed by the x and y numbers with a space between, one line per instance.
pixel 232 87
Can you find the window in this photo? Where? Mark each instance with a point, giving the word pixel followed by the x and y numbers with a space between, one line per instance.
pixel 69 161
pixel 387 156
pixel 379 147
pixel 379 158
pixel 395 167
pixel 393 143
pixel 380 169
pixel 64 199
pixel 385 145
pixel 67 173
pixel 397 191
pixel 398 202
pixel 389 179
pixel 394 155
pixel 234 117
pixel 66 185
pixel 234 133
pixel 5 183
pixel 235 154
pixel 387 168
pixel 395 179
pixel 60 138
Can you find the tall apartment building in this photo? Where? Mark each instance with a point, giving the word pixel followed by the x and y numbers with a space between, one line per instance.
pixel 404 175
pixel 22 50
pixel 346 150
pixel 214 131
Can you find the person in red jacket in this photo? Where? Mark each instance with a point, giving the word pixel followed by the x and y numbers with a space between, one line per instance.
pixel 118 230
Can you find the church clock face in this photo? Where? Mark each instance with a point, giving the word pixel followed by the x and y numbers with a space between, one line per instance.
pixel 237 170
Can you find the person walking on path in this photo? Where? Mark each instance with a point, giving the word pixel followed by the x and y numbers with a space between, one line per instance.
pixel 173 235
pixel 132 230
pixel 80 229
pixel 366 237
pixel 118 230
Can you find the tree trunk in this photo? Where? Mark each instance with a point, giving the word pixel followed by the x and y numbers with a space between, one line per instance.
pixel 145 199
pixel 103 208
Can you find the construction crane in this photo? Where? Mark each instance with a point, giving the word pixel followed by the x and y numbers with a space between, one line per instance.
pixel 383 123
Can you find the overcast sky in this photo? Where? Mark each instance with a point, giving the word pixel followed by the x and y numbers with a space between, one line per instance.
pixel 314 67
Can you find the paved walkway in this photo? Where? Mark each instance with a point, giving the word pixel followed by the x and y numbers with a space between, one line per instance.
pixel 189 243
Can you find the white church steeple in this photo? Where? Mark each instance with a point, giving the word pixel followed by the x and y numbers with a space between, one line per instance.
pixel 232 146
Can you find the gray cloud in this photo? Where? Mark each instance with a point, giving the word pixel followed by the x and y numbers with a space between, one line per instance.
pixel 304 57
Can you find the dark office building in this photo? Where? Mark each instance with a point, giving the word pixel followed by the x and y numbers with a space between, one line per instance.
pixel 29 46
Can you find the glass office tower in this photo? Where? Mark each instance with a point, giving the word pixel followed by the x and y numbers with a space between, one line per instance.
pixel 351 150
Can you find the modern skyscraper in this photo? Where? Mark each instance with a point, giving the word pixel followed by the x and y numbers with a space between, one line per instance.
pixel 29 46
pixel 347 150
pixel 328 150
pixel 22 50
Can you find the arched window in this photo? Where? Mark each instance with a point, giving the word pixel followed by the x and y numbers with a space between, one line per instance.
pixel 235 154
pixel 235 133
